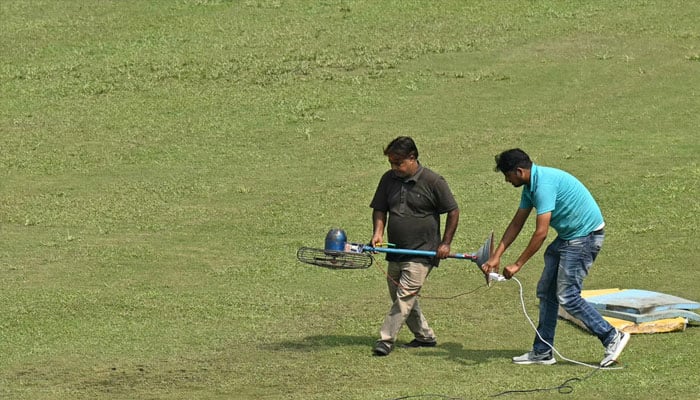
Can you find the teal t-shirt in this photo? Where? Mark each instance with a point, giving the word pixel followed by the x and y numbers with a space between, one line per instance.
pixel 575 212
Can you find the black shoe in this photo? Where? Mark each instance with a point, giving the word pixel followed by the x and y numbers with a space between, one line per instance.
pixel 419 343
pixel 382 349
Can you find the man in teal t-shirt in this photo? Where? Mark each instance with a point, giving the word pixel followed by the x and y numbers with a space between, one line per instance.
pixel 566 205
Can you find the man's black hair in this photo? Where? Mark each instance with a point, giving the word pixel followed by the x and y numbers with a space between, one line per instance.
pixel 402 146
pixel 512 159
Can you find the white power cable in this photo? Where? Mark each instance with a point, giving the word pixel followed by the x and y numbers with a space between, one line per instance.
pixel 532 324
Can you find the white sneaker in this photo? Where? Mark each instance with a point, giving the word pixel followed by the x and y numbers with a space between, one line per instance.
pixel 614 349
pixel 535 358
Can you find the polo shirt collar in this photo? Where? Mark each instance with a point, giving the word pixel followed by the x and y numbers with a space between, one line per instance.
pixel 414 177
pixel 534 175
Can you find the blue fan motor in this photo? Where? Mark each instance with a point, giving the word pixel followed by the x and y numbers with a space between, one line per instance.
pixel 336 239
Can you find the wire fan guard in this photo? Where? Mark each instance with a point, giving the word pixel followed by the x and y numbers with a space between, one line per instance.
pixel 334 259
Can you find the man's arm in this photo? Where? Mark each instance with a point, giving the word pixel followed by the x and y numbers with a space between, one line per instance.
pixel 509 236
pixel 378 222
pixel 451 223
pixel 536 241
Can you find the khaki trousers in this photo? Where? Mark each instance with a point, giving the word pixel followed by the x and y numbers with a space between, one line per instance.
pixel 410 277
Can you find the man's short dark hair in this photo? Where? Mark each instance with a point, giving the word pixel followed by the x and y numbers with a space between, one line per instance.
pixel 512 159
pixel 402 146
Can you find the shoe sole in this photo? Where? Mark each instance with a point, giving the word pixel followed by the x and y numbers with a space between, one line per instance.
pixel 612 359
pixel 530 362
pixel 408 346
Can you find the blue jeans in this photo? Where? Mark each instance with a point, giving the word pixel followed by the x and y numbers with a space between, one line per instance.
pixel 566 264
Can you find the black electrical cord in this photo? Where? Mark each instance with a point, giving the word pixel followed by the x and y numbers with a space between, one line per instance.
pixel 437 396
pixel 564 388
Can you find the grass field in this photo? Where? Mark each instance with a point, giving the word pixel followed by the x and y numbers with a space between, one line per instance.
pixel 162 161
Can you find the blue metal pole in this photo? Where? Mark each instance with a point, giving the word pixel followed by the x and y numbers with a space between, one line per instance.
pixel 426 253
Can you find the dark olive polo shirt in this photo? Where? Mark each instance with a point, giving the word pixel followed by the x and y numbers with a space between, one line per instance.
pixel 414 206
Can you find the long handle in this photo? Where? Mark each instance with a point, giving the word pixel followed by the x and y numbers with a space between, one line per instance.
pixel 427 253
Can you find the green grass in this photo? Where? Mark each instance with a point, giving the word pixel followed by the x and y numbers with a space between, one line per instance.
pixel 162 161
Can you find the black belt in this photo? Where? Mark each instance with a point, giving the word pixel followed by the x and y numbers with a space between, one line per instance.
pixel 600 231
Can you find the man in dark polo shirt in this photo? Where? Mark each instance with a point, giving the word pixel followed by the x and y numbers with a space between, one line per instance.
pixel 409 201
